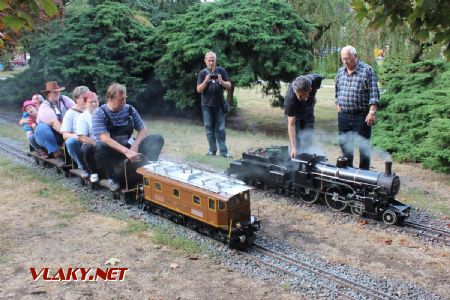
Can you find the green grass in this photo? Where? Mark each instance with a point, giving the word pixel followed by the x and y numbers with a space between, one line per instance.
pixel 188 141
pixel 119 215
pixel 134 226
pixel 52 189
pixel 255 108
pixel 12 131
pixel 429 201
pixel 167 236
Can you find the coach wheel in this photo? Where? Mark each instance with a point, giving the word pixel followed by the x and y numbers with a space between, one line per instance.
pixel 358 209
pixel 308 195
pixel 390 217
pixel 335 199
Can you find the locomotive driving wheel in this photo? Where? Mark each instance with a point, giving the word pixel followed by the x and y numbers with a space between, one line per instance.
pixel 308 195
pixel 389 217
pixel 335 198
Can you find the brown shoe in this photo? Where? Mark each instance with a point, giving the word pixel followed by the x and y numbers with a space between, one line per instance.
pixel 57 154
pixel 42 153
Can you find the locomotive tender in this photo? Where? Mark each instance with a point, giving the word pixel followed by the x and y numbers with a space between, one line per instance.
pixel 309 177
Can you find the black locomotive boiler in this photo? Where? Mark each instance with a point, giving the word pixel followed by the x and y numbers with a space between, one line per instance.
pixel 311 178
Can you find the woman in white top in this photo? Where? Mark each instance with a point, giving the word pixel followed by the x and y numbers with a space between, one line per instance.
pixel 84 132
pixel 69 129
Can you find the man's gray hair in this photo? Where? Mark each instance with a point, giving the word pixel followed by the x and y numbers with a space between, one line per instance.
pixel 301 83
pixel 210 53
pixel 115 89
pixel 79 91
pixel 351 49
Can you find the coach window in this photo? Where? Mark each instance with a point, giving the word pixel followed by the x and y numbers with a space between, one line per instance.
pixel 212 204
pixel 246 197
pixel 158 186
pixel 196 200
pixel 146 181
pixel 176 193
pixel 222 205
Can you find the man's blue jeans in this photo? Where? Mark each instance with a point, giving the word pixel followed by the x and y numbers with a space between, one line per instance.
pixel 74 148
pixel 214 121
pixel 47 137
pixel 353 128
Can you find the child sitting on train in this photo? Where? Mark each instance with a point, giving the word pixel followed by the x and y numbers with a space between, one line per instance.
pixel 84 132
pixel 28 122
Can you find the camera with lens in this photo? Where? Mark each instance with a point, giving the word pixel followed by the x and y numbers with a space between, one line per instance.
pixel 213 76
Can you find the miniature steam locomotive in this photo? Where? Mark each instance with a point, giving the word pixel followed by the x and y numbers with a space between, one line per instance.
pixel 310 177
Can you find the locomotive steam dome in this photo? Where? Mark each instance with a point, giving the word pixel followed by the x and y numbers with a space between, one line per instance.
pixel 342 162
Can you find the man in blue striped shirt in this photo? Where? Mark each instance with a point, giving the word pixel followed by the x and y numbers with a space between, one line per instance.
pixel 357 100
pixel 113 124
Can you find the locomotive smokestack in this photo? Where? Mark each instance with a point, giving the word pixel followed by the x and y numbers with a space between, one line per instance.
pixel 388 168
pixel 342 162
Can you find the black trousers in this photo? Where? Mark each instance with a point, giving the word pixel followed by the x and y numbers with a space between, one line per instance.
pixel 88 155
pixel 354 130
pixel 111 161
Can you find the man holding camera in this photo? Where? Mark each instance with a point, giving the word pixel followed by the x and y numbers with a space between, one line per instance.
pixel 211 82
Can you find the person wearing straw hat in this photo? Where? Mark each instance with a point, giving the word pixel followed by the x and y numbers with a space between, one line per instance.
pixel 50 115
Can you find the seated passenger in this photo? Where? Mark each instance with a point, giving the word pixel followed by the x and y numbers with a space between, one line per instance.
pixel 113 124
pixel 28 122
pixel 50 115
pixel 38 99
pixel 69 129
pixel 84 132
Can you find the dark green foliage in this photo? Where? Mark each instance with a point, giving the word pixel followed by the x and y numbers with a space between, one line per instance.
pixel 253 40
pixel 428 20
pixel 414 120
pixel 93 46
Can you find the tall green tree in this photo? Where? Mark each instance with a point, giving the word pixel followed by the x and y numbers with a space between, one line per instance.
pixel 414 120
pixel 16 16
pixel 253 40
pixel 428 20
pixel 92 46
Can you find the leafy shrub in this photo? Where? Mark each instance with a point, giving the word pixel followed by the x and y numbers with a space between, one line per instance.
pixel 414 120
pixel 93 46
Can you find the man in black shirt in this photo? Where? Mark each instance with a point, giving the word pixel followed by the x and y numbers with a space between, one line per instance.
pixel 211 82
pixel 299 110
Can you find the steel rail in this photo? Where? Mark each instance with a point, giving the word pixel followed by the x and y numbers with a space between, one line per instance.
pixel 432 232
pixel 358 287
pixel 16 152
pixel 284 270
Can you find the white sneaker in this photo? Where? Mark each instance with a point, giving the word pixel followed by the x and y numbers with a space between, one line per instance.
pixel 94 177
pixel 113 186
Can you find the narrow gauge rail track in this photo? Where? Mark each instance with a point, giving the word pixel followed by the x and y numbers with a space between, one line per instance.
pixel 16 152
pixel 340 286
pixel 431 232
